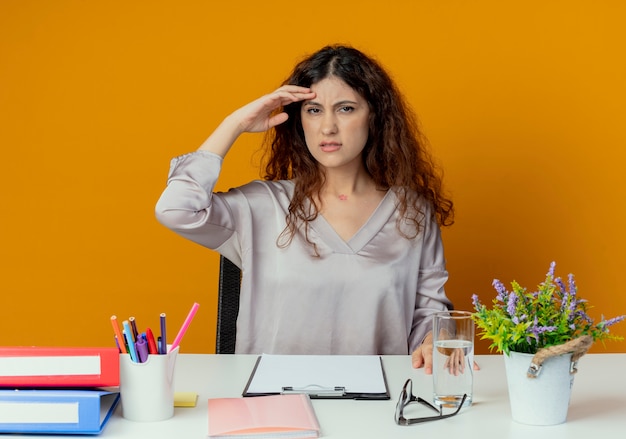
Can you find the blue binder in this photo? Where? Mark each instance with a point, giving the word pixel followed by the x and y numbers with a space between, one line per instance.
pixel 56 411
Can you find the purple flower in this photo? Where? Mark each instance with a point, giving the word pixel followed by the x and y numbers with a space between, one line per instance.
pixel 568 303
pixel 541 329
pixel 550 273
pixel 501 289
pixel 510 307
pixel 562 292
pixel 536 329
pixel 583 315
pixel 614 320
pixel 572 285
pixel 475 301
pixel 561 285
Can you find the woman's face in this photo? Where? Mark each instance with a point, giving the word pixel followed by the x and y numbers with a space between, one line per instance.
pixel 335 124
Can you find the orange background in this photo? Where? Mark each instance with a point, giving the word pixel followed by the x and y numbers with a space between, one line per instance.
pixel 523 102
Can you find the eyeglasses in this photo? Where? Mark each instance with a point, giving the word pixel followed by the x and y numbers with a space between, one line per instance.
pixel 407 397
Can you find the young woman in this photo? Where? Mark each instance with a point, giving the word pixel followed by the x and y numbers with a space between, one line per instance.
pixel 339 245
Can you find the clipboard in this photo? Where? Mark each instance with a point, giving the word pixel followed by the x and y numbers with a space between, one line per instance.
pixel 319 376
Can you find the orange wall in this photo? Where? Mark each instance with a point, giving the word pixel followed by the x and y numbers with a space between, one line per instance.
pixel 523 102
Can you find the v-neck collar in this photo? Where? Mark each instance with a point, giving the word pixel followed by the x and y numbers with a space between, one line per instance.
pixel 368 230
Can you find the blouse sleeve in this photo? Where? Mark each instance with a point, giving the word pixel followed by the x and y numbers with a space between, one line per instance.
pixel 188 206
pixel 431 296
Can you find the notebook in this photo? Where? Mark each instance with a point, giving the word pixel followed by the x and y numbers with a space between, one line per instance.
pixel 275 416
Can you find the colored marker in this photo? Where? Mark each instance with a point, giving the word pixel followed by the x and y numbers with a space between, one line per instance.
pixel 186 323
pixel 133 325
pixel 163 347
pixel 131 343
pixel 152 347
pixel 142 350
pixel 125 341
pixel 118 334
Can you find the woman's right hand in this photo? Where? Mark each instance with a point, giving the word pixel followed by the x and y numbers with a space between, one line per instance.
pixel 255 117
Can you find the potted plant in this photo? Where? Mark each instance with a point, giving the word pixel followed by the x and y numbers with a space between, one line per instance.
pixel 542 333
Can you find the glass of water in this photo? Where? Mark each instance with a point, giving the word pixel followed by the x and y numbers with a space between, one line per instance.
pixel 453 358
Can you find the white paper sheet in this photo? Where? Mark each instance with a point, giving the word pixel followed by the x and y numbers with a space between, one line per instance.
pixel 361 374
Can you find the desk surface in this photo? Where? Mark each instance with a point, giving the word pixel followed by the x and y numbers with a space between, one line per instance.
pixel 598 403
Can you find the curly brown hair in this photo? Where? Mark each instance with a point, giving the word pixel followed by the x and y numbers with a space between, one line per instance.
pixel 395 154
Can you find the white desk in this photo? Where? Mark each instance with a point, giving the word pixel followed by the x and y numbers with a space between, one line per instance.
pixel 598 404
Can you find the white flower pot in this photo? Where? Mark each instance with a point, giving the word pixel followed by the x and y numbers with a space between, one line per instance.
pixel 543 400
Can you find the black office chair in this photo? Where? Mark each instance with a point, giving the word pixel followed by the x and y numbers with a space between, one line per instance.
pixel 227 307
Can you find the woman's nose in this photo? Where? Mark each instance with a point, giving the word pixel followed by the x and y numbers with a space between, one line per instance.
pixel 329 124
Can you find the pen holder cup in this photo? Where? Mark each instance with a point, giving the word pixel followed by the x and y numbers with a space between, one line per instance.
pixel 147 389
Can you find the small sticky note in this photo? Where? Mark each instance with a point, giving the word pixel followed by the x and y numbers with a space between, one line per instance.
pixel 185 399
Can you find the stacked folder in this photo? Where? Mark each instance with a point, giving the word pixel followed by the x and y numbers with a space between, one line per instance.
pixel 57 390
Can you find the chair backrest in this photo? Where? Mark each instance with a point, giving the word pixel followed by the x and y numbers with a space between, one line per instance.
pixel 227 306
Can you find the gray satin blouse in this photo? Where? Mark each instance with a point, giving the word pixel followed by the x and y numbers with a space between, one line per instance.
pixel 372 294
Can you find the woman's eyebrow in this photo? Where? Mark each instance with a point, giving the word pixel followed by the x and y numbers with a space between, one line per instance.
pixel 336 104
pixel 345 101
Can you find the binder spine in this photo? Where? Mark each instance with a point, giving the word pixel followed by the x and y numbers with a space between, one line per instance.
pixel 55 411
pixel 58 367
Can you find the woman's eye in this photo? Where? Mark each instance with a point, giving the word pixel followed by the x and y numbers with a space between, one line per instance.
pixel 312 110
pixel 346 109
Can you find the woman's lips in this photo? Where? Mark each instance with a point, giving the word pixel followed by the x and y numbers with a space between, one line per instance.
pixel 330 146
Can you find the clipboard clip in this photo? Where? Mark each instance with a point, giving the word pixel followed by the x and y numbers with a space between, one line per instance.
pixel 315 390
